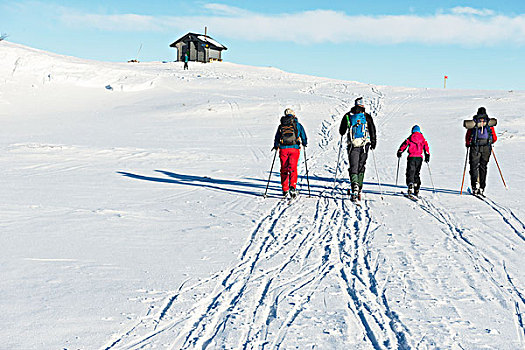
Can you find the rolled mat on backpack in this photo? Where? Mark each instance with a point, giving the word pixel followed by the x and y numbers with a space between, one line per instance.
pixel 471 124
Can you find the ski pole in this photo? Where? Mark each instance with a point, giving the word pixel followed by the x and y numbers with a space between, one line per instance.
pixel 500 173
pixel 269 176
pixel 377 174
pixel 397 171
pixel 306 166
pixel 338 157
pixel 464 170
pixel 430 172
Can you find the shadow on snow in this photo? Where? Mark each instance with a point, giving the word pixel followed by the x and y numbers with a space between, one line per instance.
pixel 256 186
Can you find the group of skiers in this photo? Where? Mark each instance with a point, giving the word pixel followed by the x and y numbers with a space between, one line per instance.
pixel 360 129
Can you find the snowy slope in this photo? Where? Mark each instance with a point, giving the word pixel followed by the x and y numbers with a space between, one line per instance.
pixel 132 214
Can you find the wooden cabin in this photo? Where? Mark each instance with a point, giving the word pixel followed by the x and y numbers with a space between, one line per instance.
pixel 200 48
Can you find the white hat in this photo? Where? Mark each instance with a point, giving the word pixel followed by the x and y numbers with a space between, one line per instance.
pixel 289 111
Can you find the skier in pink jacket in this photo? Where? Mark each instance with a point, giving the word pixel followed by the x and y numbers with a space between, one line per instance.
pixel 416 145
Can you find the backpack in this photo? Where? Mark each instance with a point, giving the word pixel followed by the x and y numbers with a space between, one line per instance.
pixel 357 130
pixel 289 133
pixel 481 135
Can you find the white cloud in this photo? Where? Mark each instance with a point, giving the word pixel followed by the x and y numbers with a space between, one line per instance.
pixel 317 26
pixel 124 22
pixel 222 9
pixel 472 11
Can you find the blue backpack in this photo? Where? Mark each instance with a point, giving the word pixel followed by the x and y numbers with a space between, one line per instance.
pixel 357 130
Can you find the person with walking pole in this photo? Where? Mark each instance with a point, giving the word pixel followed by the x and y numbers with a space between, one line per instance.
pixel 479 139
pixel 360 129
pixel 416 145
pixel 288 139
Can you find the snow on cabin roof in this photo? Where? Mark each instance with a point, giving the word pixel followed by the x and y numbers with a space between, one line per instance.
pixel 210 40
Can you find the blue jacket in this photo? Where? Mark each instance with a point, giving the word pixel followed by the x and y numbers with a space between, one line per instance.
pixel 301 134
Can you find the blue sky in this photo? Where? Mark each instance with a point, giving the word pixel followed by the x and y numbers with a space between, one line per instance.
pixel 478 44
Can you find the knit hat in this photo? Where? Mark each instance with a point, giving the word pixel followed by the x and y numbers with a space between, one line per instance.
pixel 482 111
pixel 289 111
pixel 359 102
pixel 416 128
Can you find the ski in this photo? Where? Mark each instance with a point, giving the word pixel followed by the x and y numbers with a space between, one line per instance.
pixel 289 197
pixel 293 198
pixel 410 196
pixel 478 196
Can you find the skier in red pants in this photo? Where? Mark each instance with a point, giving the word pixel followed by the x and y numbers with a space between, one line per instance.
pixel 288 139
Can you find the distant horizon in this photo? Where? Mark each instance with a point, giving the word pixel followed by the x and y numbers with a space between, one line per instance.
pixel 402 44
pixel 265 66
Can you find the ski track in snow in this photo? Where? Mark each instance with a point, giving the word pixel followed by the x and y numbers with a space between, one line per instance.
pixel 482 262
pixel 292 258
pixel 299 252
pixel 508 217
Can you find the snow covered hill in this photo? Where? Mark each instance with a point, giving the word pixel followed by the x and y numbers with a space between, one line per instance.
pixel 132 216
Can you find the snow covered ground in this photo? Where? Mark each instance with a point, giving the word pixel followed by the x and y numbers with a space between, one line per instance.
pixel 132 216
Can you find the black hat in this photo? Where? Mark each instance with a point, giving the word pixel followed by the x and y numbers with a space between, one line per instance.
pixel 482 111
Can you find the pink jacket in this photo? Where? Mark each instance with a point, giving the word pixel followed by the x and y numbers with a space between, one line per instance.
pixel 416 144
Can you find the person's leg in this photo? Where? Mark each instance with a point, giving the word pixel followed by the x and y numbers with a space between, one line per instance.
pixel 362 165
pixel 293 160
pixel 354 155
pixel 284 156
pixel 474 160
pixel 483 164
pixel 417 180
pixel 411 171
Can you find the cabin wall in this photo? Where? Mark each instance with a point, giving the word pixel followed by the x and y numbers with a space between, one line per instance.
pixel 196 51
pixel 214 54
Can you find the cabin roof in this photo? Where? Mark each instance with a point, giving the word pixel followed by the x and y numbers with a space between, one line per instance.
pixel 200 38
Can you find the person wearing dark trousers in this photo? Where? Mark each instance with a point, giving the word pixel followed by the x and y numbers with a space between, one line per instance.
pixel 416 144
pixel 480 140
pixel 186 59
pixel 361 135
pixel 288 139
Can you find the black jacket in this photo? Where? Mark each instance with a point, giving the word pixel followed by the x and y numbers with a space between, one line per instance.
pixel 343 128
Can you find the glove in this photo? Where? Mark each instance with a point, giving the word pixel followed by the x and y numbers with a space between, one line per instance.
pixel 273 149
pixel 427 158
pixel 399 154
pixel 373 144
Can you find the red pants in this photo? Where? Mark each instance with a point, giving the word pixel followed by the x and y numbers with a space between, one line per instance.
pixel 289 158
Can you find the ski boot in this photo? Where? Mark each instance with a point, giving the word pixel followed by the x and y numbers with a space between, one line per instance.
pixel 354 195
pixel 476 190
pixel 416 190
pixel 293 192
pixel 410 190
pixel 285 194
